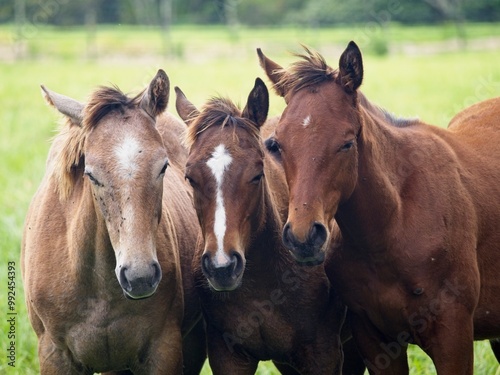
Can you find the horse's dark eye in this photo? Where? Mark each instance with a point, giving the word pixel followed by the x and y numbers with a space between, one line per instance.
pixel 93 179
pixel 257 178
pixel 347 146
pixel 190 180
pixel 164 169
pixel 273 146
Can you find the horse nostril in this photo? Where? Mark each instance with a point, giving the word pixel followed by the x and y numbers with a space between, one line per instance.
pixel 156 275
pixel 206 264
pixel 124 282
pixel 237 263
pixel 288 239
pixel 318 235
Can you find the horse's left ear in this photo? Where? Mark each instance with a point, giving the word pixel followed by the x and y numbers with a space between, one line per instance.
pixel 186 110
pixel 351 68
pixel 69 107
pixel 257 104
pixel 155 98
pixel 274 72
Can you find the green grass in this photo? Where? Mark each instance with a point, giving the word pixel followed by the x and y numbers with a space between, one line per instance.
pixel 205 62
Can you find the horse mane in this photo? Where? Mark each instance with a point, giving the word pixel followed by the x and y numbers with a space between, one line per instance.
pixel 313 70
pixel 397 121
pixel 218 112
pixel 310 71
pixel 69 161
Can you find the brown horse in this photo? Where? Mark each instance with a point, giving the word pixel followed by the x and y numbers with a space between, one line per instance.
pixel 102 250
pixel 258 303
pixel 418 208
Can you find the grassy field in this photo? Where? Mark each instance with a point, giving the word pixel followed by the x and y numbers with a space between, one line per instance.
pixel 204 62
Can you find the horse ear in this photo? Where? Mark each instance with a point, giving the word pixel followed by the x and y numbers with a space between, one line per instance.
pixel 257 104
pixel 351 68
pixel 71 108
pixel 274 72
pixel 186 110
pixel 155 98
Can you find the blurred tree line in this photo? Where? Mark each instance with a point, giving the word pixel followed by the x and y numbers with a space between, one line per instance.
pixel 247 12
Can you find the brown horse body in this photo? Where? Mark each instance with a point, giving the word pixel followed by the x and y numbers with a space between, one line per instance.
pixel 258 303
pixel 418 208
pixel 98 231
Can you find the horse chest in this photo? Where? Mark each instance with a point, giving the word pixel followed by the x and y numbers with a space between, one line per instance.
pixel 384 298
pixel 101 332
pixel 258 325
pixel 269 324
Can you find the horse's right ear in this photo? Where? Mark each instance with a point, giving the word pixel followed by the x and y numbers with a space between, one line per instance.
pixel 70 108
pixel 274 72
pixel 351 68
pixel 155 98
pixel 257 105
pixel 186 110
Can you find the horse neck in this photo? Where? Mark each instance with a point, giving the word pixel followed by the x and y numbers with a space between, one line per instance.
pixel 367 215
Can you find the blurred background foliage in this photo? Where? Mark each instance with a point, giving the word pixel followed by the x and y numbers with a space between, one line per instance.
pixel 248 12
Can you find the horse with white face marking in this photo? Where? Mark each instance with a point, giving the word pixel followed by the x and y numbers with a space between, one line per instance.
pixel 106 237
pixel 258 303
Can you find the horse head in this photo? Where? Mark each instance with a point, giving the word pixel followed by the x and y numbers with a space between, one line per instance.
pixel 115 157
pixel 316 141
pixel 226 168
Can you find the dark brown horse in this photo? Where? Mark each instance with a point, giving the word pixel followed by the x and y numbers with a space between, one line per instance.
pixel 258 303
pixel 105 237
pixel 418 208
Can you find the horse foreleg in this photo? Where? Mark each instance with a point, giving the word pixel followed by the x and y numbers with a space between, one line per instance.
pixel 353 363
pixel 194 348
pixel 54 361
pixel 164 356
pixel 285 369
pixel 226 358
pixel 450 342
pixel 380 356
pixel 495 346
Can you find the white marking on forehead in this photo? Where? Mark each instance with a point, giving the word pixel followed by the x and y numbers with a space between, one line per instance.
pixel 218 164
pixel 126 153
pixel 306 121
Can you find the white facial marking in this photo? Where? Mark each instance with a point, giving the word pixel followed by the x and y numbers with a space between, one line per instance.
pixel 126 153
pixel 306 121
pixel 218 164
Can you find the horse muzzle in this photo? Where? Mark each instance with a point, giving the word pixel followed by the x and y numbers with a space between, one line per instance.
pixel 223 276
pixel 309 251
pixel 139 283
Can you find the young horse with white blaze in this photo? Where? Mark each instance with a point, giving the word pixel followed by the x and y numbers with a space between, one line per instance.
pixel 418 207
pixel 109 238
pixel 258 303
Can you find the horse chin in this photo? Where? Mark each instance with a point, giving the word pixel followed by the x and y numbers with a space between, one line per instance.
pixel 314 260
pixel 225 286
pixel 136 297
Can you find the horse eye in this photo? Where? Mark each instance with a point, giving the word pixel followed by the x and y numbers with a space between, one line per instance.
pixel 347 146
pixel 93 179
pixel 257 178
pixel 190 180
pixel 273 146
pixel 164 169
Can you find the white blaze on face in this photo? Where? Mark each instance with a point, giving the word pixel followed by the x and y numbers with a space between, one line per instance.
pixel 306 121
pixel 126 153
pixel 218 164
